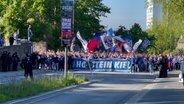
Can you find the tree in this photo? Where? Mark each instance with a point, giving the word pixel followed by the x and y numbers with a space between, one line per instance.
pixel 122 31
pixel 137 32
pixel 87 16
pixel 45 18
pixel 168 31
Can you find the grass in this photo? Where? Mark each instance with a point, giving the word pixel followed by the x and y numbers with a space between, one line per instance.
pixel 33 87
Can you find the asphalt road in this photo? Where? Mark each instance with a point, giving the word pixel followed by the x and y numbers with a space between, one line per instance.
pixel 105 88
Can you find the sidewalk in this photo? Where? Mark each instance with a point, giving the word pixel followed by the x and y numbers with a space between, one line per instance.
pixel 15 76
pixel 162 91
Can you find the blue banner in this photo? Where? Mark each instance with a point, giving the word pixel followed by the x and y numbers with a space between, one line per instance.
pixel 101 65
pixel 79 64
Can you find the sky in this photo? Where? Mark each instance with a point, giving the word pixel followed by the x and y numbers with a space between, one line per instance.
pixel 126 13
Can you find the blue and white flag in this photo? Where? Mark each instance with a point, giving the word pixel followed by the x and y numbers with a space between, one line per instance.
pixel 83 42
pixel 106 41
pixel 110 32
pixel 136 45
pixel 128 40
pixel 145 44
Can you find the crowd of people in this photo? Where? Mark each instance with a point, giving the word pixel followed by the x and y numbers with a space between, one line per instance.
pixel 51 60
pixel 9 62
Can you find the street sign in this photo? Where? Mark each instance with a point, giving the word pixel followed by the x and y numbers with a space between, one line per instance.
pixel 66 37
pixel 66 24
pixel 67 7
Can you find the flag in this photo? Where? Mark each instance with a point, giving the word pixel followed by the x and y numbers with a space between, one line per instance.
pixel 136 45
pixel 119 38
pixel 93 45
pixel 72 45
pixel 145 44
pixel 110 32
pixel 120 46
pixel 128 40
pixel 97 35
pixel 83 42
pixel 127 48
pixel 106 41
pixel 125 45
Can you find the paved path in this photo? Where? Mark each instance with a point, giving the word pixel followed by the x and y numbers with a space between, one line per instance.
pixel 13 77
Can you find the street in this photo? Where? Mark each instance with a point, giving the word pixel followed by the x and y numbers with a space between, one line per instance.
pixel 115 88
pixel 105 88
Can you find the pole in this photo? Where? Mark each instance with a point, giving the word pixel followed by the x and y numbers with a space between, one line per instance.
pixel 73 20
pixel 90 65
pixel 65 65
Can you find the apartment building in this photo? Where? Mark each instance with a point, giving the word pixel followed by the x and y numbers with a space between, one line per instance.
pixel 153 11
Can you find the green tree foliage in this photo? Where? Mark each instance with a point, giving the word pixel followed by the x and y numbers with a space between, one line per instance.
pixel 137 32
pixel 87 16
pixel 45 18
pixel 168 31
pixel 122 31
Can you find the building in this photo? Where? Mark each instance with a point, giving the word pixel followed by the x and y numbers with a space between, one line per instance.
pixel 153 11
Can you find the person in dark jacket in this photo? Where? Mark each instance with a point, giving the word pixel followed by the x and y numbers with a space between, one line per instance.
pixel 26 64
pixel 11 40
pixel 15 61
pixel 4 61
pixel 163 64
pixel 9 62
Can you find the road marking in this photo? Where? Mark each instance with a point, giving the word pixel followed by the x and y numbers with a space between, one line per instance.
pixel 141 93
